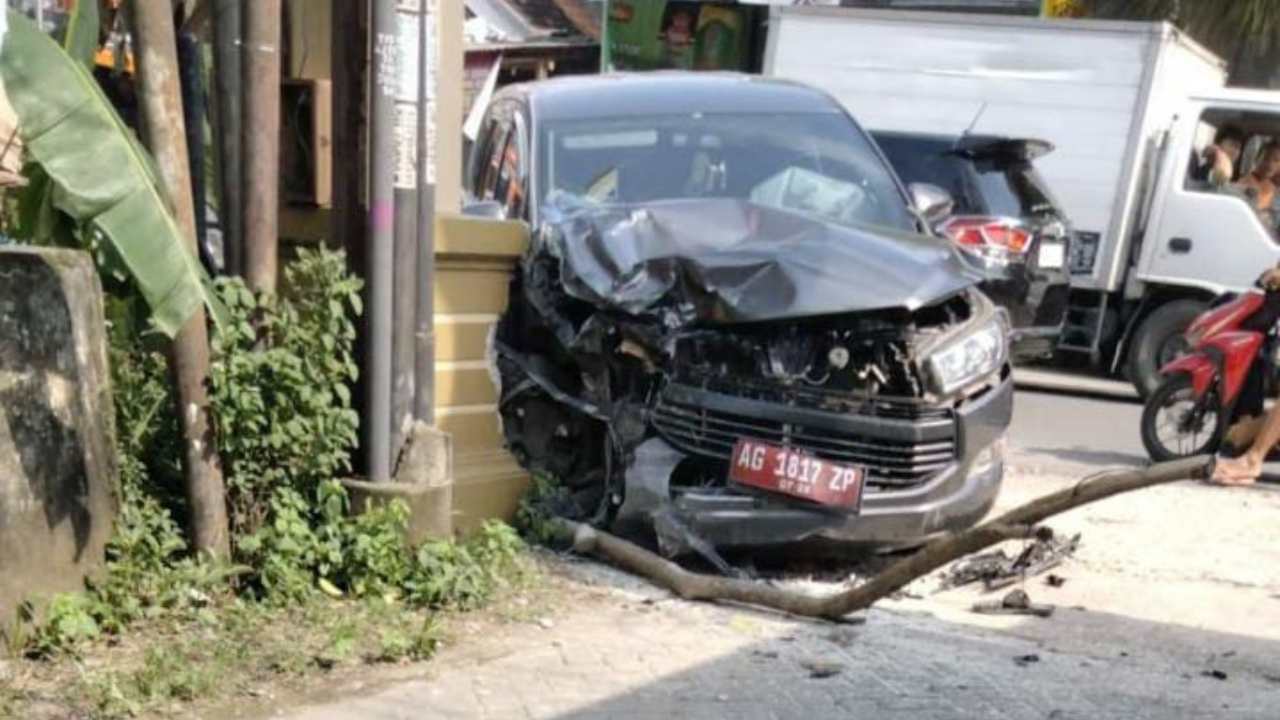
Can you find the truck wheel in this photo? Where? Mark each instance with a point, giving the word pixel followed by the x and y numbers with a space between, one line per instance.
pixel 1159 340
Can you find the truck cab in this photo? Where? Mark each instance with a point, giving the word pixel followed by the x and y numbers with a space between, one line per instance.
pixel 1199 235
pixel 1198 239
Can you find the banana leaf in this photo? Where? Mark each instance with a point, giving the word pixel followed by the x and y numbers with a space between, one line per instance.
pixel 102 178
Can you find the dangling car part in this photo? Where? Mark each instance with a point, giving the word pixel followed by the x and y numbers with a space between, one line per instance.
pixel 730 328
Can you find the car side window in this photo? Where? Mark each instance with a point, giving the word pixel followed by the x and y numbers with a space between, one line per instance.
pixel 488 189
pixel 1218 154
pixel 512 188
pixel 1237 153
pixel 492 140
pixel 480 156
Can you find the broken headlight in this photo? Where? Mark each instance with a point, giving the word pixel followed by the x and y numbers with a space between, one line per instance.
pixel 972 356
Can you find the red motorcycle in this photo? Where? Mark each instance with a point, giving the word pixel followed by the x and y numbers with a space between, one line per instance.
pixel 1229 369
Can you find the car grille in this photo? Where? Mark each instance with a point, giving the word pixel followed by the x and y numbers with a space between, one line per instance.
pixel 890 463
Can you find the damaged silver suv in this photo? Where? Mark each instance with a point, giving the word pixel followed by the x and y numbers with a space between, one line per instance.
pixel 730 326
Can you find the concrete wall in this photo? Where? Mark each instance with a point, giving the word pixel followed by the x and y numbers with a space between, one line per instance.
pixel 58 473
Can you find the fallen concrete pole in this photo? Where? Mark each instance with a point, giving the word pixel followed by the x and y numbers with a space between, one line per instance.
pixel 1017 523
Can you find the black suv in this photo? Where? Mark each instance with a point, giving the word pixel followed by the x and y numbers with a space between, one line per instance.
pixel 1004 218
pixel 730 325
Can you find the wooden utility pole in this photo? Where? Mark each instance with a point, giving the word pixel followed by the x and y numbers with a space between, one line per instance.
pixel 155 40
pixel 261 127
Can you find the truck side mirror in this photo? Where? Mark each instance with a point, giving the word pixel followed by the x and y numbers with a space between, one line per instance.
pixel 931 202
pixel 486 209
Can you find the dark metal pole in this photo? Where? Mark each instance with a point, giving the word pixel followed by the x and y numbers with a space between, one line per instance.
pixel 261 128
pixel 191 66
pixel 351 77
pixel 381 242
pixel 424 332
pixel 405 178
pixel 227 34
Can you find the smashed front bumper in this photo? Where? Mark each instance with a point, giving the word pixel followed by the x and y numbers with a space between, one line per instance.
pixel 929 473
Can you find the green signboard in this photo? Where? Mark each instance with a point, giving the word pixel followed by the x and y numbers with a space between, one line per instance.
pixel 679 34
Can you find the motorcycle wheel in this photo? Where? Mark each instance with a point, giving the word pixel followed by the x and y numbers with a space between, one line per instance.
pixel 1169 430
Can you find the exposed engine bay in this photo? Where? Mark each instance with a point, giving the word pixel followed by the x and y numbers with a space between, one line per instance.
pixel 696 323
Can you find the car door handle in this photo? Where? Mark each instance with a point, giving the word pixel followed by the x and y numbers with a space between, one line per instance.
pixel 1180 245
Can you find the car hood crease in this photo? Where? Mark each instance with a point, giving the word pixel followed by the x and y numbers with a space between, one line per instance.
pixel 731 261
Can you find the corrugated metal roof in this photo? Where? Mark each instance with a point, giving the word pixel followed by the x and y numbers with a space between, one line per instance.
pixel 516 21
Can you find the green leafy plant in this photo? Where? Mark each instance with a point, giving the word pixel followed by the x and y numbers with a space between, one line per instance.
pixel 396 645
pixel 352 585
pixel 279 385
pixel 541 503
pixel 463 575
pixel 68 621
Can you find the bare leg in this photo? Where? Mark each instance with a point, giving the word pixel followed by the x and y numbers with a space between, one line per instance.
pixel 1240 435
pixel 1245 469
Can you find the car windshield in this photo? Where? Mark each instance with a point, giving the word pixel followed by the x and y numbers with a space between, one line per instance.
pixel 818 164
pixel 1002 185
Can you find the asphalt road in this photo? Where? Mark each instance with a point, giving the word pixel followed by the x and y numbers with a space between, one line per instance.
pixel 1077 430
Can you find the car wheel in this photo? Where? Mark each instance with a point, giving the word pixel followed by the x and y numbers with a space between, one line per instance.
pixel 1158 340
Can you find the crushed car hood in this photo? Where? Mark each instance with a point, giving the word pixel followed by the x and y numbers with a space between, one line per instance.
pixel 730 261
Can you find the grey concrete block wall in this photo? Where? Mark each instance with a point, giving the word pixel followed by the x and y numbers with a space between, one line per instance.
pixel 58 468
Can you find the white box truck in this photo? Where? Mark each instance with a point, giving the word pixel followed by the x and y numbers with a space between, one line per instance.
pixel 1127 106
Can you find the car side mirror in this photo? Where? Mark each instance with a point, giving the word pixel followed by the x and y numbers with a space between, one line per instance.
pixel 930 202
pixel 486 209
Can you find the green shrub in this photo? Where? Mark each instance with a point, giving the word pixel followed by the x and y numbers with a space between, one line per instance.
pixel 279 385
pixel 285 430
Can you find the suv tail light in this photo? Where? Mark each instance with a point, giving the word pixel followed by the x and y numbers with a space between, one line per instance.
pixel 985 234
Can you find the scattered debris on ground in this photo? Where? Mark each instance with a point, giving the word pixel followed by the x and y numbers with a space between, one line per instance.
pixel 843 638
pixel 998 570
pixel 820 669
pixel 1020 523
pixel 1016 602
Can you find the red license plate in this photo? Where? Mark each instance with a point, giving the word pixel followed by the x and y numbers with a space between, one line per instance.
pixel 795 473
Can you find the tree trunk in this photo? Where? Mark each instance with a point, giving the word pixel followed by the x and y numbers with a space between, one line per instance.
pixel 156 42
pixel 1019 522
pixel 262 21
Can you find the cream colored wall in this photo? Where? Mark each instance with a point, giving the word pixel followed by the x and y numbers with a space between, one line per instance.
pixel 474 262
pixel 449 114
pixel 310 39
